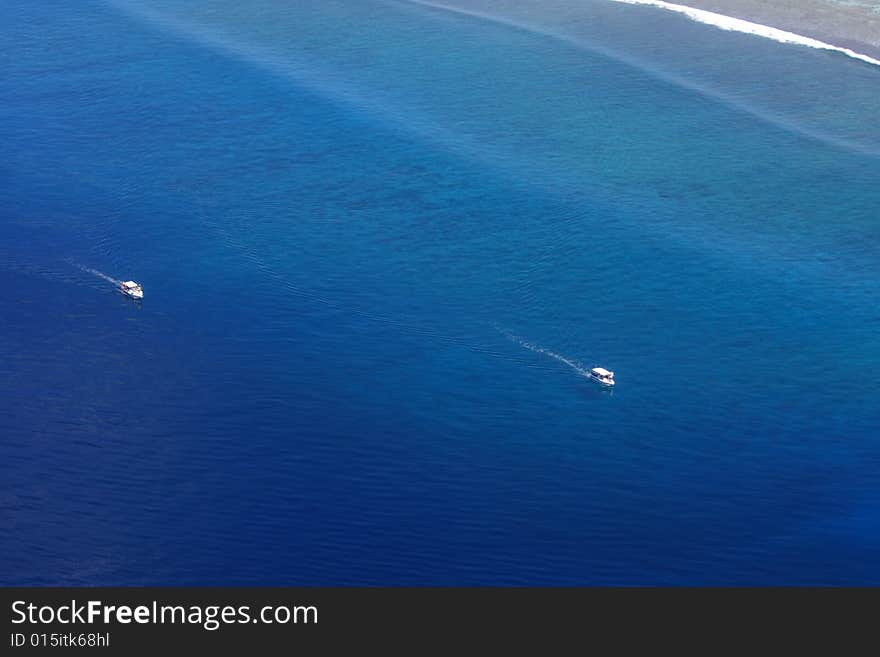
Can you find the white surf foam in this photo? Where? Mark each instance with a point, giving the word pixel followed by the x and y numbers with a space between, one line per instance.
pixel 739 25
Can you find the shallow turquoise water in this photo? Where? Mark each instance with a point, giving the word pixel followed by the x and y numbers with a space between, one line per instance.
pixel 371 234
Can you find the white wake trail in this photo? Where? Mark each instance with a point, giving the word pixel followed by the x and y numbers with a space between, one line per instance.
pixel 573 364
pixel 99 274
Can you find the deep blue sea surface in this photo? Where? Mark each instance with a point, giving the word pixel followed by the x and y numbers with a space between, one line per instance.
pixel 379 242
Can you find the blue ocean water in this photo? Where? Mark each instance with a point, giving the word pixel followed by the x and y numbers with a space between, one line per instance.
pixel 379 241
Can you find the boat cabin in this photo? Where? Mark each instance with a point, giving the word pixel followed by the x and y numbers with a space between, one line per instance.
pixel 602 375
pixel 132 289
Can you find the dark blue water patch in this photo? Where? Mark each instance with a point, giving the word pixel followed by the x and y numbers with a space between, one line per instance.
pixel 328 381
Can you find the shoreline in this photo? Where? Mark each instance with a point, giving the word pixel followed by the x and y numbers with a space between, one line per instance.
pixel 851 30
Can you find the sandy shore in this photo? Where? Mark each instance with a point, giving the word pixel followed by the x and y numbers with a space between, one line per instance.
pixel 849 26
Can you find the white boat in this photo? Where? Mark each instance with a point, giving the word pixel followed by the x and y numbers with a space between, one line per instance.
pixel 132 289
pixel 603 376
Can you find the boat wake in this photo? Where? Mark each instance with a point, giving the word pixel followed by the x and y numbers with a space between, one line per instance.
pixel 573 364
pixel 739 25
pixel 99 274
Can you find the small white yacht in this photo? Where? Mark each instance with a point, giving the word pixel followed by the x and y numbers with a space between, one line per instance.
pixel 603 376
pixel 132 289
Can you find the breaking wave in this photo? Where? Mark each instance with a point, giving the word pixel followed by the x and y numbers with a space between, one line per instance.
pixel 739 25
